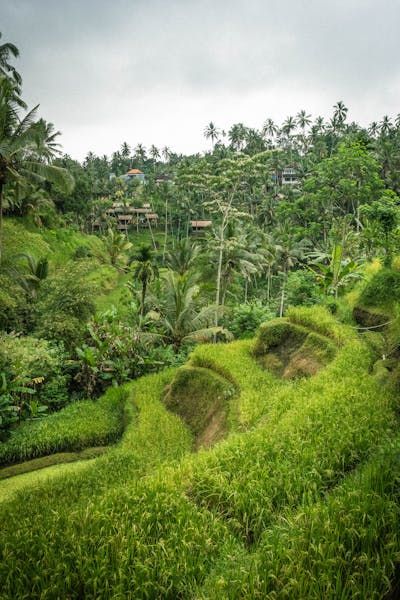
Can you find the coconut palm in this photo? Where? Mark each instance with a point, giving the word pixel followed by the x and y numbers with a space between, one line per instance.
pixel 373 129
pixel 183 320
pixel 8 71
pixel 145 271
pixel 340 112
pixel 303 119
pixel 125 150
pixel 211 132
pixel 183 257
pixel 23 151
pixel 269 128
pixel 166 152
pixel 386 125
pixel 154 152
pixel 289 252
pixel 237 136
pixel 117 246
pixel 140 152
pixel 288 126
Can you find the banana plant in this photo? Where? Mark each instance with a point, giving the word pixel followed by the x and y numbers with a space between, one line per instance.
pixel 334 271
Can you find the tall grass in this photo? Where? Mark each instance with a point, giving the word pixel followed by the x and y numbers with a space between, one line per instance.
pixel 343 546
pixel 278 511
pixel 77 426
pixel 330 424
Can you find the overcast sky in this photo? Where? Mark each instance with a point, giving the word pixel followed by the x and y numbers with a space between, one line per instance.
pixel 157 71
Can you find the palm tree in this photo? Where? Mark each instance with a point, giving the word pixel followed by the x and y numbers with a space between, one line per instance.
pixel 125 150
pixel 385 125
pixel 373 129
pixel 38 270
pixel 183 257
pixel 303 119
pixel 166 152
pixel 237 136
pixel 140 152
pixel 145 271
pixel 183 321
pixel 211 132
pixel 269 128
pixel 289 252
pixel 23 151
pixel 288 126
pixel 116 245
pixel 154 152
pixel 339 114
pixel 8 71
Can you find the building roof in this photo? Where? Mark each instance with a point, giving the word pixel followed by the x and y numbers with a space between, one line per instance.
pixel 152 216
pixel 125 217
pixel 201 223
pixel 135 172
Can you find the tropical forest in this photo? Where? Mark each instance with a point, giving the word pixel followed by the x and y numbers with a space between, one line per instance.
pixel 199 361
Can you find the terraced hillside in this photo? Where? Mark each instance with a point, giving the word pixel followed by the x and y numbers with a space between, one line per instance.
pixel 266 468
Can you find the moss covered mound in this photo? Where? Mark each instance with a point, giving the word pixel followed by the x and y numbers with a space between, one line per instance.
pixel 290 350
pixel 382 290
pixel 200 397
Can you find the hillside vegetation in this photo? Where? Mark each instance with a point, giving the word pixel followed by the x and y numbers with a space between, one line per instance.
pixel 199 362
pixel 257 515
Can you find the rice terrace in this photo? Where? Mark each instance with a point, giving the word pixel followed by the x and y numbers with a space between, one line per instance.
pixel 199 349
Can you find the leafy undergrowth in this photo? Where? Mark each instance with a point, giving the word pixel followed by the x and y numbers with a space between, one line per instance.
pixel 300 501
pixel 80 425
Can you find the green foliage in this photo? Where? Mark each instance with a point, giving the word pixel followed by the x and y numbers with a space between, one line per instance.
pixel 64 305
pixel 244 319
pixel 301 289
pixel 383 290
pixel 79 425
pixel 33 377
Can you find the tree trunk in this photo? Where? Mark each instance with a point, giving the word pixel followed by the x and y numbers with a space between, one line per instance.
pixel 144 287
pixel 1 222
pixel 152 236
pixel 218 292
pixel 282 296
pixel 165 229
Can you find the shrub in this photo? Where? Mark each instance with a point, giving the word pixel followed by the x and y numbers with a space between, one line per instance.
pixel 65 304
pixel 245 319
pixel 301 289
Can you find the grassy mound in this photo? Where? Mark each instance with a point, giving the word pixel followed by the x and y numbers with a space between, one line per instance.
pixel 79 425
pixel 200 396
pixel 291 350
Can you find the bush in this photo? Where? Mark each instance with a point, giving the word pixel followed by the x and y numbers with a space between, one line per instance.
pixel 33 381
pixel 65 304
pixel 245 319
pixel 82 252
pixel 301 289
